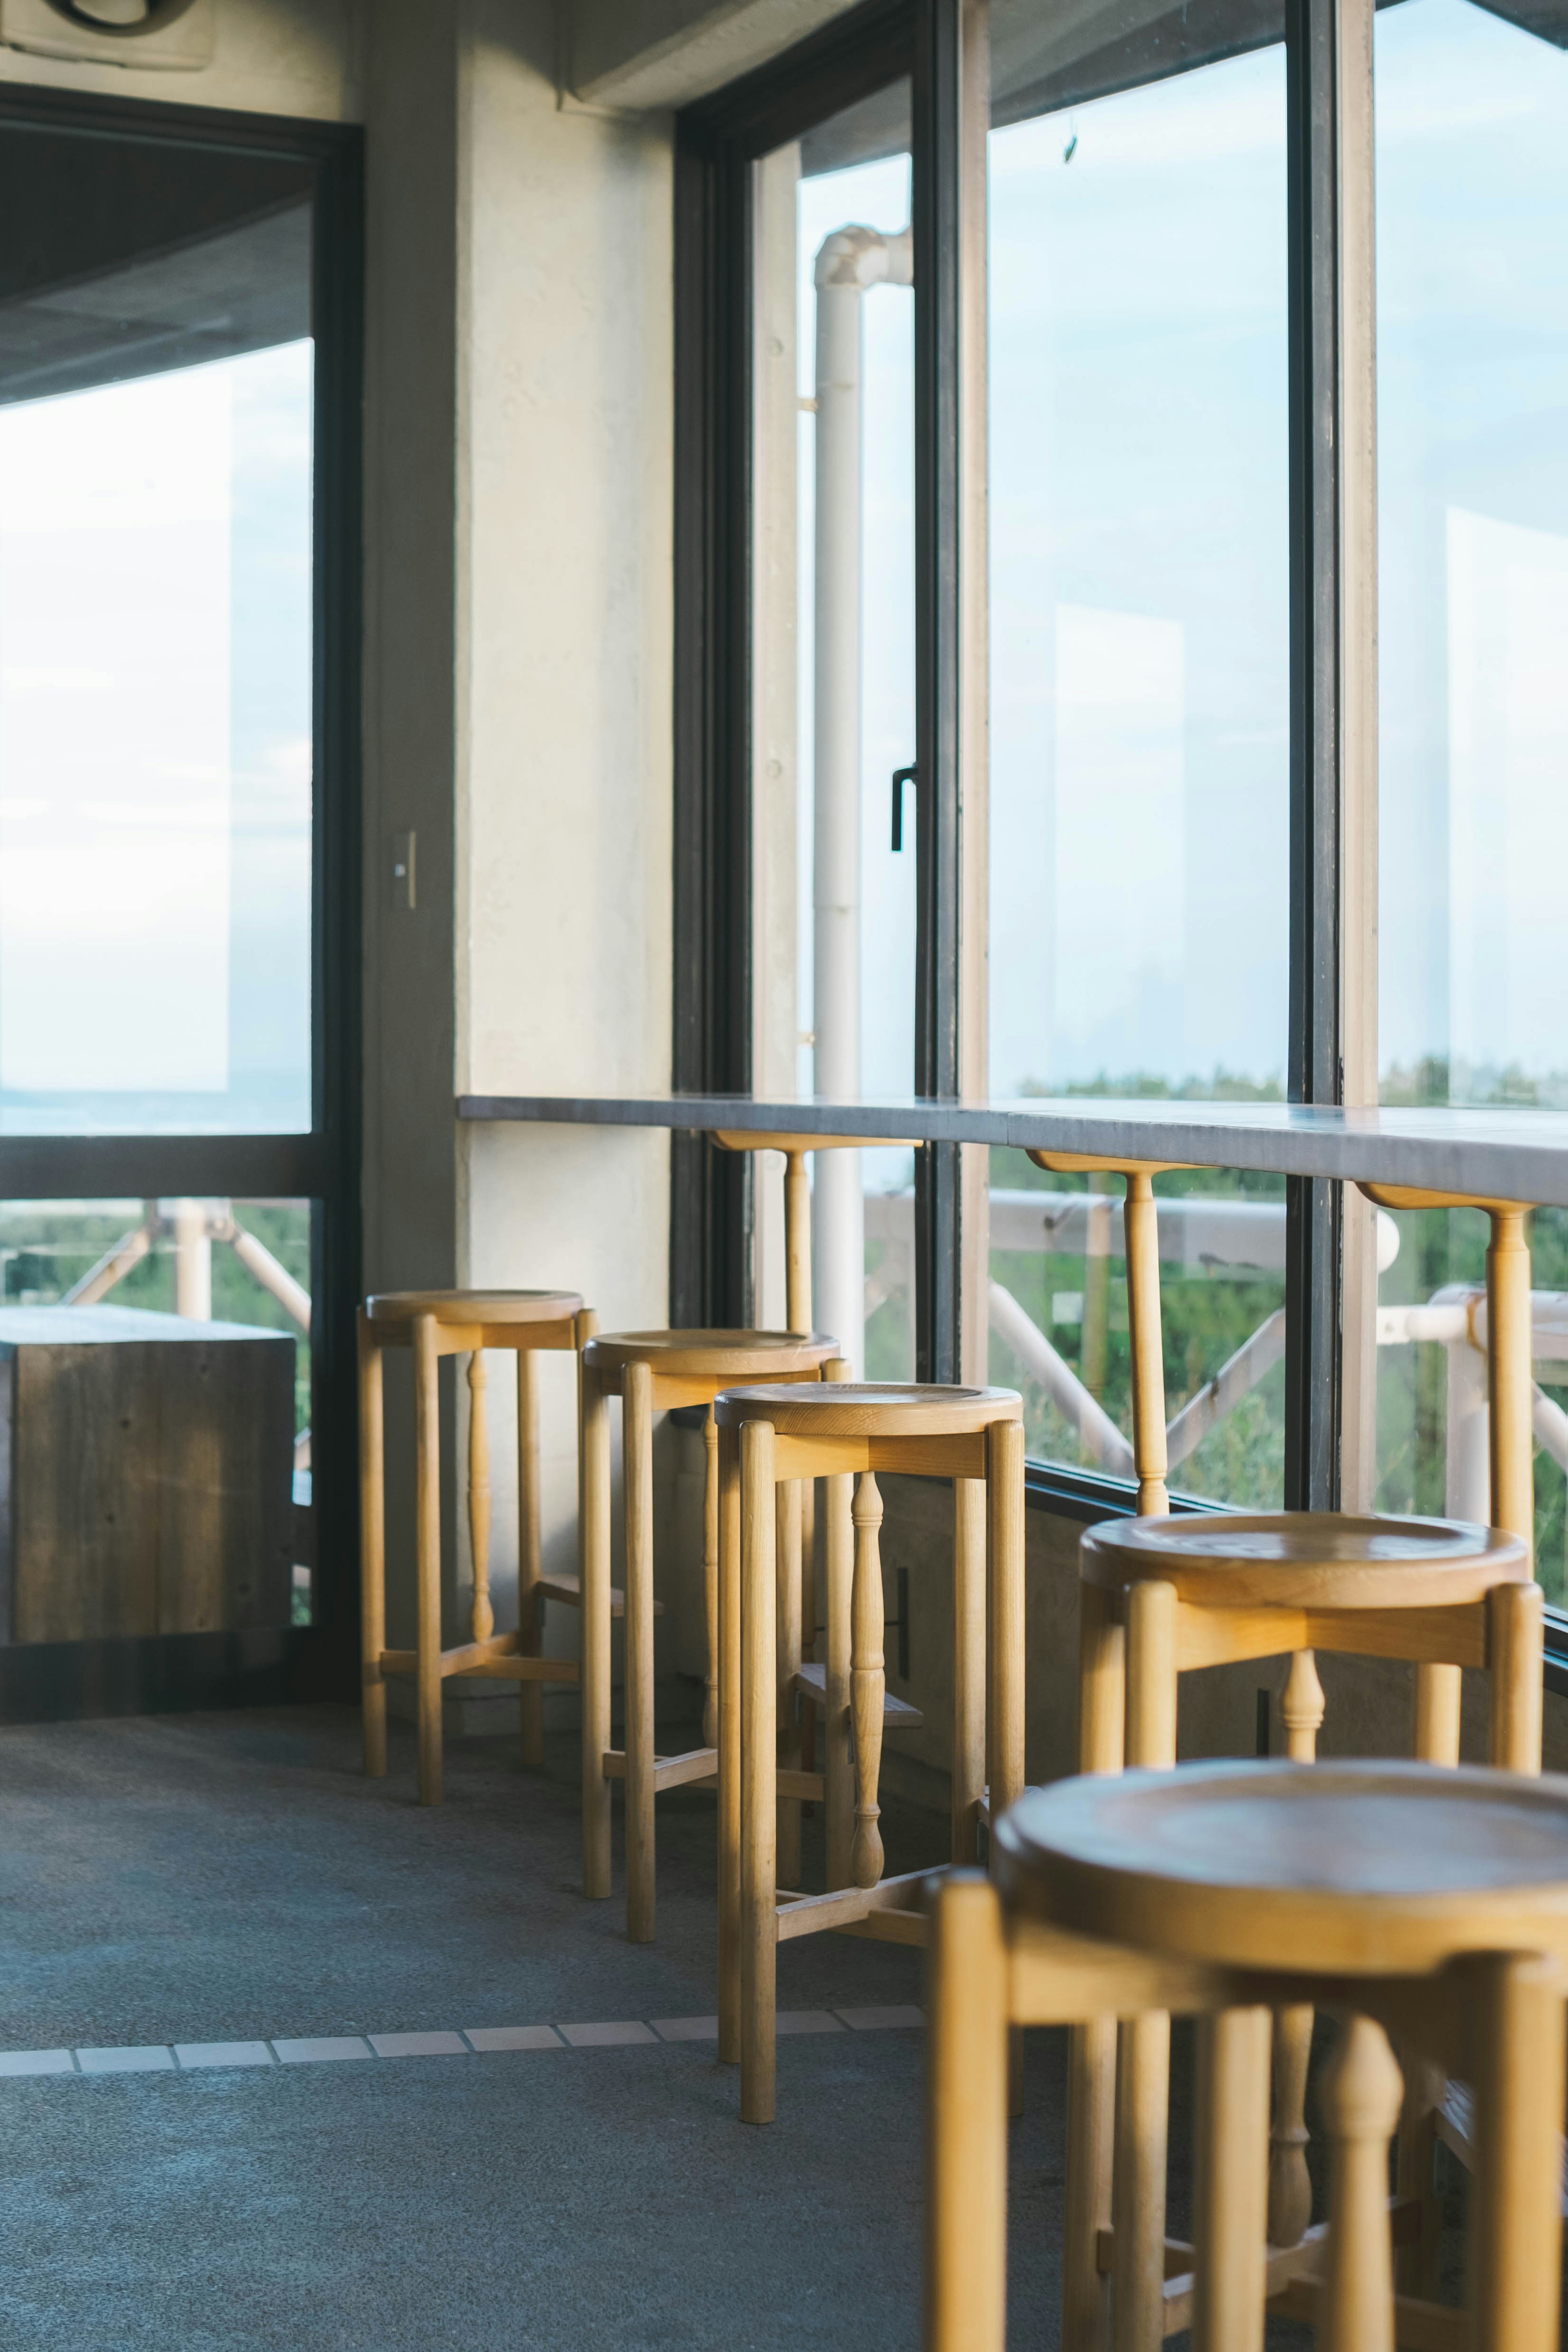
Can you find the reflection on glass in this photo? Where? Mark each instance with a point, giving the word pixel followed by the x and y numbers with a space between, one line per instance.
pixel 1139 556
pixel 834 534
pixel 1059 1332
pixel 155 678
pixel 1472 330
pixel 155 1469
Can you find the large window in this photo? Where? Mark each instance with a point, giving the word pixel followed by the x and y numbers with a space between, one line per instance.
pixel 177 349
pixel 1219 316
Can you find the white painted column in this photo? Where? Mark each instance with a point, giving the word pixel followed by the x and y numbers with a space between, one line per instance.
pixel 850 260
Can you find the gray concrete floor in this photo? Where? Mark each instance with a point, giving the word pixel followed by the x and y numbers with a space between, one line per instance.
pixel 206 1878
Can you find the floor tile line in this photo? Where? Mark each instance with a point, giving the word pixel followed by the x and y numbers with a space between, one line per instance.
pixel 278 2051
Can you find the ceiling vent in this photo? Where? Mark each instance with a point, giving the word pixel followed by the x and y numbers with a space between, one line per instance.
pixel 167 36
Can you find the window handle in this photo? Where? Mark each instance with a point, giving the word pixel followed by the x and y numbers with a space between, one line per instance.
pixel 901 776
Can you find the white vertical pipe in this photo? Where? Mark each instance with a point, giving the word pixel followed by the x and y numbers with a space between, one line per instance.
pixel 192 1259
pixel 849 261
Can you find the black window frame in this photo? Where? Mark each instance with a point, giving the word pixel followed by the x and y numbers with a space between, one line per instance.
pixel 153 1674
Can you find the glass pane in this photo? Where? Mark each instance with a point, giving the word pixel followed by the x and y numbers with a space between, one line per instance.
pixel 158 1407
pixel 835 677
pixel 155 641
pixel 1472 331
pixel 1139 625
pixel 1059 1333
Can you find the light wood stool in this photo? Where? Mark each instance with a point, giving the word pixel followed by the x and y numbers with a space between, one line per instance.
pixel 798 1199
pixel 1159 1598
pixel 654 1371
pixel 432 1324
pixel 846 1434
pixel 1144 1331
pixel 1431 1903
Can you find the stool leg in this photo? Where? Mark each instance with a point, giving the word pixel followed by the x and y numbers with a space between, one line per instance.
pixel 868 1685
pixel 710 1579
pixel 1438 1692
pixel 967 2122
pixel 372 1556
pixel 1290 2184
pixel 1092 2048
pixel 1510 1384
pixel 1141 1238
pixel 484 1615
pixel 1005 1498
pixel 1516 2230
pixel 1516 1631
pixel 427 1549
pixel 729 1748
pixel 968 1667
pixel 808 1616
pixel 838 1751
pixel 758 1774
pixel 1361 2092
pixel 530 1697
pixel 637 1449
pixel 1229 2195
pixel 594 1595
pixel 788 1555
pixel 797 1243
pixel 1143 2073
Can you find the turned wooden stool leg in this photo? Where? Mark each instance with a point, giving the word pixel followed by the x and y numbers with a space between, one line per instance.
pixel 758 1774
pixel 710 1578
pixel 808 1616
pixel 797 1243
pixel 1516 1634
pixel 531 1695
pixel 1141 1238
pixel 1005 1500
pixel 593 1595
pixel 838 1748
pixel 966 2122
pixel 1228 2193
pixel 482 1618
pixel 1144 2054
pixel 372 1556
pixel 1092 2048
pixel 968 1667
pixel 1509 1381
pixel 868 1685
pixel 730 1747
pixel 427 1555
pixel 788 1557
pixel 1290 2184
pixel 1516 2229
pixel 1361 2094
pixel 637 1456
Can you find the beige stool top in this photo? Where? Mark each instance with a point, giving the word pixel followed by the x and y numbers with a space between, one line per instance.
pixel 467 1307
pixel 707 1355
pixel 1384 1869
pixel 1304 1560
pixel 870 1408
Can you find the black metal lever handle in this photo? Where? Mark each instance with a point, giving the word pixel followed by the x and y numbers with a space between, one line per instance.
pixel 901 776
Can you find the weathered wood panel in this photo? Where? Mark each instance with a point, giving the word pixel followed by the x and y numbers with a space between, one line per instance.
pixel 146 1474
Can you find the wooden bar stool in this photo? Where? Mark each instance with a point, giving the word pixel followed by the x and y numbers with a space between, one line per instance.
pixel 797 1199
pixel 1159 1598
pixel 1434 1903
pixel 436 1323
pixel 654 1371
pixel 849 1433
pixel 1144 1331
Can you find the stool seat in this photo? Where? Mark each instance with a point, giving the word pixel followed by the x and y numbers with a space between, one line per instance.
pixel 1380 1868
pixel 711 1355
pixel 470 1307
pixel 1305 1559
pixel 870 1409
